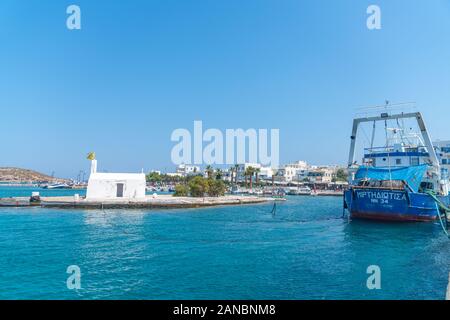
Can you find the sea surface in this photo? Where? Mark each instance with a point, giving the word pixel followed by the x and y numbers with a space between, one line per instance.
pixel 305 250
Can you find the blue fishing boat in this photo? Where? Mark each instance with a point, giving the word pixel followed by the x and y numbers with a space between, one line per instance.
pixel 401 181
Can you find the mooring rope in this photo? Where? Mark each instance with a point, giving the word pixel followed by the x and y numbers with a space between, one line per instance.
pixel 440 206
pixel 274 208
pixel 442 223
pixel 349 207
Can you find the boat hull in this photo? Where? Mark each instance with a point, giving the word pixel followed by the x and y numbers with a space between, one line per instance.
pixel 390 205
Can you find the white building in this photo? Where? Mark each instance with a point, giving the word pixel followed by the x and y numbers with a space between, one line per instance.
pixel 293 171
pixel 187 170
pixel 443 152
pixel 240 174
pixel 300 171
pixel 299 165
pixel 115 185
pixel 266 173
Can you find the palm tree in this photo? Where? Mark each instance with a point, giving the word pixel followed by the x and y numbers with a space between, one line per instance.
pixel 274 173
pixel 219 174
pixel 246 174
pixel 249 172
pixel 209 171
pixel 257 171
pixel 231 175
pixel 236 170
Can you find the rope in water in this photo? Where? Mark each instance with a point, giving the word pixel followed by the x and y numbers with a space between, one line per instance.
pixel 440 206
pixel 274 208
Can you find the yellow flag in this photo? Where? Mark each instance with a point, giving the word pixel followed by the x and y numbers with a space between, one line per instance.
pixel 91 156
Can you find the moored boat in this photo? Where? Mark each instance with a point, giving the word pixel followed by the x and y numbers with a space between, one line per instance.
pixel 57 186
pixel 300 191
pixel 401 181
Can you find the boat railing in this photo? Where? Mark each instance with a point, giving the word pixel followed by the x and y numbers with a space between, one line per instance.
pixel 378 188
pixel 389 108
pixel 392 149
pixel 383 184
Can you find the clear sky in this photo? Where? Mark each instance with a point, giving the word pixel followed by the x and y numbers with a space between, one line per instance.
pixel 137 70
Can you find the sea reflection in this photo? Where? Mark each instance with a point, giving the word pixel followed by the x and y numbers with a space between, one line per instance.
pixel 113 217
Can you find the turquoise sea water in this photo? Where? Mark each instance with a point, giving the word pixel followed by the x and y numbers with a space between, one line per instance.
pixel 304 251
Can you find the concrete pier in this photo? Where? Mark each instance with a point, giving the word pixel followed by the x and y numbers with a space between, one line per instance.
pixel 447 296
pixel 149 202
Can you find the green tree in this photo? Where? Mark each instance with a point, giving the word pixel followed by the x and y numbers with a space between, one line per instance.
pixel 216 188
pixel 341 175
pixel 198 186
pixel 181 190
pixel 153 177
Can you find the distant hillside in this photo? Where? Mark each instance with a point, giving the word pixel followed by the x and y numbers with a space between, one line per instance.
pixel 23 175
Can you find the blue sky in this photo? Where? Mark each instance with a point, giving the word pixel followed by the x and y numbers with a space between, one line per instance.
pixel 137 70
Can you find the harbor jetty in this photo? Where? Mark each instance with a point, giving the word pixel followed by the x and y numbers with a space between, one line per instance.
pixel 447 296
pixel 149 202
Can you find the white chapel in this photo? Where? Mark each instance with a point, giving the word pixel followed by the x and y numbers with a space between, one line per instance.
pixel 106 185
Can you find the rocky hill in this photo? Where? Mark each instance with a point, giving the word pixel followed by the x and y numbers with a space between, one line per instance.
pixel 8 174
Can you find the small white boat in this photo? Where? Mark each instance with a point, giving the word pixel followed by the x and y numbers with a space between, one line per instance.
pixel 301 191
pixel 57 186
pixel 256 192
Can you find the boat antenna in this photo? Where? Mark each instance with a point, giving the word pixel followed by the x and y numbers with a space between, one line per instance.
pixel 388 153
pixel 385 124
pixel 373 136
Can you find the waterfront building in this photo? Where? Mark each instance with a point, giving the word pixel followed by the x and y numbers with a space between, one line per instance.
pixel 102 185
pixel 240 174
pixel 287 173
pixel 324 174
pixel 443 152
pixel 185 170
pixel 266 173
pixel 302 172
pixel 299 165
pixel 227 174
pixel 293 172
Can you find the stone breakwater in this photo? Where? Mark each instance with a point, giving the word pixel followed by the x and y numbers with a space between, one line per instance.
pixel 149 202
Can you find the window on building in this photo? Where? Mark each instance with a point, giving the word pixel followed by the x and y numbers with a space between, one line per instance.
pixel 444 161
pixel 398 161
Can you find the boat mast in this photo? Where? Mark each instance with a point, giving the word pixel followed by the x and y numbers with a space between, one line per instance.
pixel 427 140
pixel 373 136
pixel 385 117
